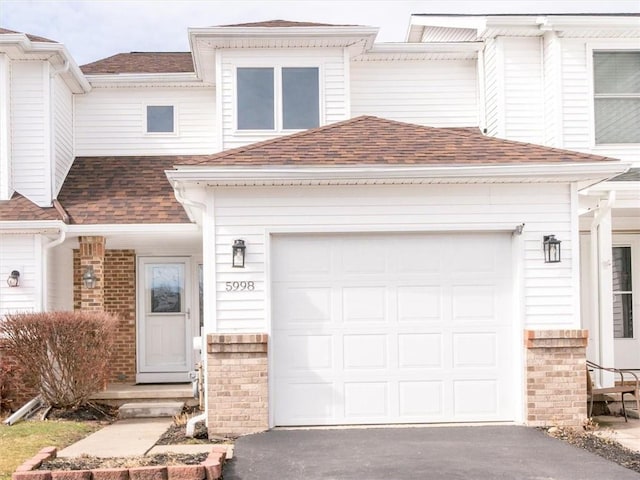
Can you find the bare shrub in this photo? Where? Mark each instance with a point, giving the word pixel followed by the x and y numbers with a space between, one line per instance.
pixel 66 354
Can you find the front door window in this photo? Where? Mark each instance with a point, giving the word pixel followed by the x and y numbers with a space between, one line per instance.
pixel 622 293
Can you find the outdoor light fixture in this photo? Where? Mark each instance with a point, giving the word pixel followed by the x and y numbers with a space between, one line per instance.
pixel 551 247
pixel 238 254
pixel 14 278
pixel 89 277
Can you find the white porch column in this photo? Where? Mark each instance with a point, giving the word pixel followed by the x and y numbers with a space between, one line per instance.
pixel 602 294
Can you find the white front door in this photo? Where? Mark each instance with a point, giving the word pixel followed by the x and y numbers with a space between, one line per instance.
pixel 392 328
pixel 164 323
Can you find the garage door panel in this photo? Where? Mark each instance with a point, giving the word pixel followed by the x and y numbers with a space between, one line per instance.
pixel 475 399
pixel 410 342
pixel 475 350
pixel 296 261
pixel 364 304
pixel 366 399
pixel 419 303
pixel 365 351
pixel 420 350
pixel 303 304
pixel 420 399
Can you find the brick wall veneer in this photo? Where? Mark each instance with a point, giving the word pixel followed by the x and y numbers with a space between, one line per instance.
pixel 556 388
pixel 120 299
pixel 237 384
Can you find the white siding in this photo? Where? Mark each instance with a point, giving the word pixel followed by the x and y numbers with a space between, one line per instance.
pixel 577 99
pixel 492 85
pixel 333 88
pixel 524 106
pixel 30 144
pixel 438 93
pixel 20 252
pixel 60 278
pixel 62 131
pixel 446 34
pixel 551 74
pixel 6 182
pixel 113 122
pixel 548 289
pixel 576 122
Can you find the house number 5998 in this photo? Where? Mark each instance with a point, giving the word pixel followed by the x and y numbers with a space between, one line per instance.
pixel 239 286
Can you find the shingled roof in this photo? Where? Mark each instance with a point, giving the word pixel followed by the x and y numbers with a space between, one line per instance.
pixel 369 140
pixel 283 23
pixel 141 62
pixel 33 38
pixel 19 208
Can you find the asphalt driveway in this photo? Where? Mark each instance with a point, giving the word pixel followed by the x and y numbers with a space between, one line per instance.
pixel 465 453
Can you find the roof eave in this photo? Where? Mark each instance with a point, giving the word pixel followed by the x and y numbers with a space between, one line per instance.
pixel 584 174
pixel 135 79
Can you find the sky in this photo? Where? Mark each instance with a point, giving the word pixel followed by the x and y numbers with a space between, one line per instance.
pixel 95 29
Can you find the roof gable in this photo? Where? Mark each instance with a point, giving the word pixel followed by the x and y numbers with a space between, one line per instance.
pixel 33 38
pixel 369 140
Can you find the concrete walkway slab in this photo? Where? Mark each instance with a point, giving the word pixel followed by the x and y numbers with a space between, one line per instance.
pixel 124 438
pixel 454 453
pixel 626 434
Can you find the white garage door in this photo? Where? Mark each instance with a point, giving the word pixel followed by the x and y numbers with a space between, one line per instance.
pixel 392 328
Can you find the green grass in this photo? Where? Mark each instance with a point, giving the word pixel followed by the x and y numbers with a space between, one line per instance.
pixel 24 439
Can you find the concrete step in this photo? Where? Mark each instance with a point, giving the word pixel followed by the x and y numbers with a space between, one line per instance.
pixel 150 409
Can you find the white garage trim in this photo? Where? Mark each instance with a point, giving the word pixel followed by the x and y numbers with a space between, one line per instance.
pixel 507 383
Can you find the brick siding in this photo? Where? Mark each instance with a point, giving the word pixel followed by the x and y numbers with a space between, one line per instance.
pixel 237 389
pixel 118 297
pixel 556 388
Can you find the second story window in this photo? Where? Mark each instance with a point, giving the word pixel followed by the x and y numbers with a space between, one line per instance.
pixel 160 119
pixel 617 96
pixel 286 98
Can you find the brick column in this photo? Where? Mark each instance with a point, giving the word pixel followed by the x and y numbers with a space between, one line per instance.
pixel 237 388
pixel 92 254
pixel 556 387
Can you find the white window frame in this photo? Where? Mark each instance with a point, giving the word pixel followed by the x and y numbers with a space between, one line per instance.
pixel 145 110
pixel 277 95
pixel 632 241
pixel 630 45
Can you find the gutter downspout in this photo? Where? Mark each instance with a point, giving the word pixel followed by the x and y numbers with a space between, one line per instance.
pixel 191 424
pixel 602 212
pixel 45 266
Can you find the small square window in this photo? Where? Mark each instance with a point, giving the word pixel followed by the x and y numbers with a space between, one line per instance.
pixel 160 119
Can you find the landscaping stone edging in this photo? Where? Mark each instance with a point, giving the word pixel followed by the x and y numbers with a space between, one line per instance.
pixel 209 469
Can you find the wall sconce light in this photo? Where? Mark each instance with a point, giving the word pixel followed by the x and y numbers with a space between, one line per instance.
pixel 89 277
pixel 14 278
pixel 551 246
pixel 238 254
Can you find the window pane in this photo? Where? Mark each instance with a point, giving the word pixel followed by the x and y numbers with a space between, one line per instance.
pixel 300 98
pixel 621 269
pixel 622 302
pixel 166 288
pixel 255 98
pixel 616 72
pixel 160 118
pixel 617 120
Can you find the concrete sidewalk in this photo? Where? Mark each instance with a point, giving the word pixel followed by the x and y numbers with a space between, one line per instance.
pixel 123 438
pixel 625 433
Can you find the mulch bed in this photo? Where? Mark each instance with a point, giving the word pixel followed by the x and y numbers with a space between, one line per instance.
pixel 89 463
pixel 602 446
pixel 98 412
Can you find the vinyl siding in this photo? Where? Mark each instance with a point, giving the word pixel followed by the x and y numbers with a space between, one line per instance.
pixel 6 182
pixel 333 87
pixel 548 290
pixel 62 131
pixel 439 93
pixel 551 74
pixel 493 111
pixel 20 252
pixel 113 122
pixel 523 100
pixel 30 130
pixel 577 100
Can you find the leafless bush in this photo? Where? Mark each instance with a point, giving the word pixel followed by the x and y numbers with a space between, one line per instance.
pixel 66 354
